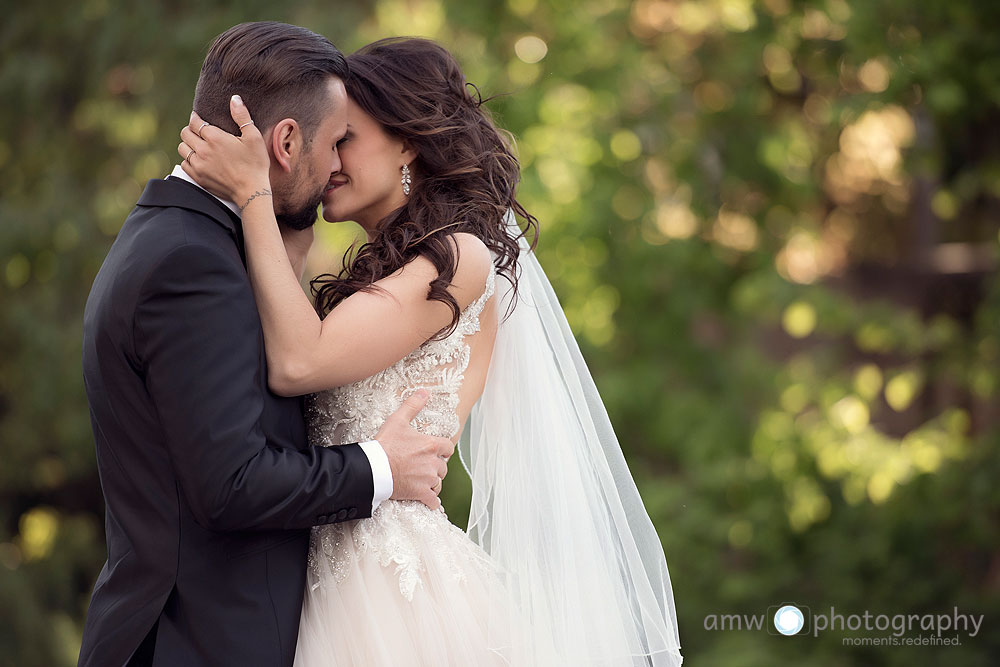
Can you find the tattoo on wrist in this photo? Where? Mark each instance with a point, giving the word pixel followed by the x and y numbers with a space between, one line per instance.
pixel 259 193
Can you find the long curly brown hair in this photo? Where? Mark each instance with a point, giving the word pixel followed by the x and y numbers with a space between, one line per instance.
pixel 464 176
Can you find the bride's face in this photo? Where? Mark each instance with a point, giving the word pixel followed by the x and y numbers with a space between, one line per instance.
pixel 367 188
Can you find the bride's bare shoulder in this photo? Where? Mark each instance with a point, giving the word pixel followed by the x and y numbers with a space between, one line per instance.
pixel 474 265
pixel 474 262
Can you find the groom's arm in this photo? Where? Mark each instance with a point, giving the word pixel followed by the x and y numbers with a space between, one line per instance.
pixel 197 335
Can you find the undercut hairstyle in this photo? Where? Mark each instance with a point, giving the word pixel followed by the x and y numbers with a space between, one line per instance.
pixel 279 70
pixel 465 174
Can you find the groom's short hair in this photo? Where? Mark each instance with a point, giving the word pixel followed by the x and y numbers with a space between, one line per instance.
pixel 279 70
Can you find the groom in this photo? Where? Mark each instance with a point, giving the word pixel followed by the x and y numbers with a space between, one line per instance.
pixel 209 482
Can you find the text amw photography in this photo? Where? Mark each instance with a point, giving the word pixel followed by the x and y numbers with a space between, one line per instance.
pixel 521 332
pixel 856 629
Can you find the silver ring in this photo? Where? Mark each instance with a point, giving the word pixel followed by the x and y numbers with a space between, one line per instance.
pixel 249 122
pixel 203 126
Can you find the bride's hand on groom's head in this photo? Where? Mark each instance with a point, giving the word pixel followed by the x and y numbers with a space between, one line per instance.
pixel 231 167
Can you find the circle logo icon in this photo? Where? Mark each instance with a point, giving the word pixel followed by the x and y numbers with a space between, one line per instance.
pixel 788 620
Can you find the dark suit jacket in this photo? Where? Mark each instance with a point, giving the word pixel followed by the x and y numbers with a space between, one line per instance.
pixel 209 482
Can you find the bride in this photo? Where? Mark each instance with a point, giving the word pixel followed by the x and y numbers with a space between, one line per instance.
pixel 560 564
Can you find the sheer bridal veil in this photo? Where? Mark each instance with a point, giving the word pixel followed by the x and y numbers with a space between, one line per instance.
pixel 553 501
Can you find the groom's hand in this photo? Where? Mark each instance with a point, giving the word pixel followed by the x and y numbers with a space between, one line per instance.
pixel 418 462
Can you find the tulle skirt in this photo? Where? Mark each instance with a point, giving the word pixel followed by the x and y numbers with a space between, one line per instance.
pixel 403 588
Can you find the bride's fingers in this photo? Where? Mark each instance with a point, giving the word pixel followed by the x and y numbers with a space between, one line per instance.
pixel 196 124
pixel 189 137
pixel 205 130
pixel 191 146
pixel 241 115
pixel 185 151
pixel 195 128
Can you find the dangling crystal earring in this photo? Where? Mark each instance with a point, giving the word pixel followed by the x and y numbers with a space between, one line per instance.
pixel 405 180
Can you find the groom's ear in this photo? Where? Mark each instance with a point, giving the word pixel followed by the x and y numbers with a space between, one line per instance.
pixel 286 143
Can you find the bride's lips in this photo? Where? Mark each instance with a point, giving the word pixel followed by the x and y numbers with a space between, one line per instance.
pixel 333 185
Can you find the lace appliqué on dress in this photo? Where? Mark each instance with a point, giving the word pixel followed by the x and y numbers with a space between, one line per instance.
pixel 353 413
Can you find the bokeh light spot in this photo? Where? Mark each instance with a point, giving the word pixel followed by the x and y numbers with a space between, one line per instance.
pixel 851 413
pixel 868 381
pixel 626 145
pixel 18 271
pixel 874 75
pixel 38 529
pixel 740 533
pixel 531 49
pixel 799 319
pixel 902 389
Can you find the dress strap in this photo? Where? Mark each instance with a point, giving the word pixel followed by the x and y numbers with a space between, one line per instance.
pixel 474 309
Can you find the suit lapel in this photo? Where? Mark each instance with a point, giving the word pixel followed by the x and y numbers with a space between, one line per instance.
pixel 174 192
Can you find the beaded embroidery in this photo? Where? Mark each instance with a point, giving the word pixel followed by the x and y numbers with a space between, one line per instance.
pixel 355 412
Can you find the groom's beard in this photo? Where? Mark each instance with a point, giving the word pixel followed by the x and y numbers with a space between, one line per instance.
pixel 297 214
pixel 300 218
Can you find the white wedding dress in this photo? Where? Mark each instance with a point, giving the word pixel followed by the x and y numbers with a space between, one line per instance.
pixel 561 566
pixel 405 587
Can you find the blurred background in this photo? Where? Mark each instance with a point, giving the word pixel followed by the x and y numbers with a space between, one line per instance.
pixel 774 226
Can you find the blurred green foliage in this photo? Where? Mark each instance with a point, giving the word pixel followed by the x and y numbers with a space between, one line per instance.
pixel 773 226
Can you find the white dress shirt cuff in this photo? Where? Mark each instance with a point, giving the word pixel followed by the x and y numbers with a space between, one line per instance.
pixel 381 472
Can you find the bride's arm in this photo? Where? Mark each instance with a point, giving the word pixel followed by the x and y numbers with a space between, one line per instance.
pixel 297 244
pixel 366 332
